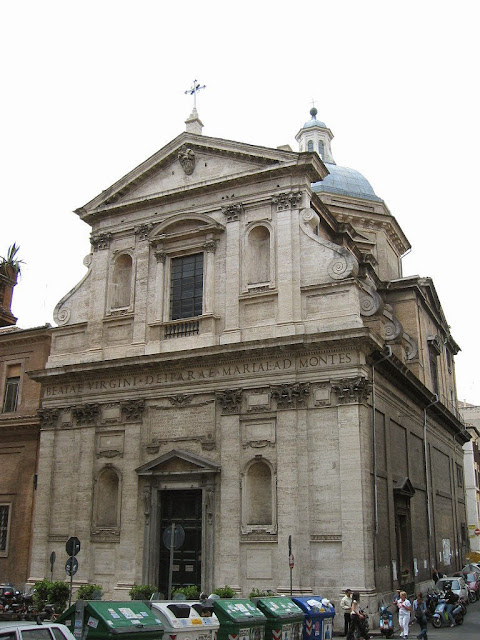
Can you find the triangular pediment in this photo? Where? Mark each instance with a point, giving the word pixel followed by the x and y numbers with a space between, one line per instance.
pixel 404 487
pixel 178 462
pixel 192 161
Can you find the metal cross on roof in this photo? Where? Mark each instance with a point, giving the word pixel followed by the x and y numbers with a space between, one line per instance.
pixel 195 88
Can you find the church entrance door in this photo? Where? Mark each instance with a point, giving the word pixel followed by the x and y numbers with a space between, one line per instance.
pixel 184 507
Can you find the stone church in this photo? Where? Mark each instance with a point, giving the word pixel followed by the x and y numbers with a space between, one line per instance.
pixel 245 358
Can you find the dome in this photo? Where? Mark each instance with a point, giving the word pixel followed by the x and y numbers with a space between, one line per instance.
pixel 347 182
pixel 314 123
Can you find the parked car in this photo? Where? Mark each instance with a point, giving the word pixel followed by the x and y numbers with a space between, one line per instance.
pixel 473 583
pixel 472 566
pixel 22 630
pixel 457 584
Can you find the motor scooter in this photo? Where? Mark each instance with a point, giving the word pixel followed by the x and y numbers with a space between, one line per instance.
pixel 386 622
pixel 363 626
pixel 440 617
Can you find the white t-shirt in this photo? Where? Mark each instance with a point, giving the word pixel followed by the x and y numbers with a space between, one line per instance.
pixel 404 606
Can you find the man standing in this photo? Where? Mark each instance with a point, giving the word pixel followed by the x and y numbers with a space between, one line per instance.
pixel 346 605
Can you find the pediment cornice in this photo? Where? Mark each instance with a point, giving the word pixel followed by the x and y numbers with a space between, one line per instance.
pixel 262 159
pixel 192 464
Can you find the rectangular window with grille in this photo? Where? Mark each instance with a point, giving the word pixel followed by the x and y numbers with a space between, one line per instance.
pixel 12 386
pixel 4 516
pixel 186 287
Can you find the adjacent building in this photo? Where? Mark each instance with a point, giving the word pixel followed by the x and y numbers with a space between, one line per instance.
pixel 20 350
pixel 471 415
pixel 245 358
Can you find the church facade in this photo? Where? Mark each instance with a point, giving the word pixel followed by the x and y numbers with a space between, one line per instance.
pixel 245 359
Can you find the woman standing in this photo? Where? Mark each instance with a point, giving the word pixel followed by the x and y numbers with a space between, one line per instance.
pixel 404 608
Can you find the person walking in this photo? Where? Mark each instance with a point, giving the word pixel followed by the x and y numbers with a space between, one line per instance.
pixel 420 611
pixel 357 620
pixel 404 607
pixel 346 606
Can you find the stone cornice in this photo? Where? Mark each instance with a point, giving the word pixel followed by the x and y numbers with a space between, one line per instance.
pixel 27 336
pixel 333 341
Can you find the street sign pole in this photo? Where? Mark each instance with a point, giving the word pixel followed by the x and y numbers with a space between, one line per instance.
pixel 172 551
pixel 53 555
pixel 290 563
pixel 72 547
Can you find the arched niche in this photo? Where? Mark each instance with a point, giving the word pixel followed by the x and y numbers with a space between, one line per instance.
pixel 259 509
pixel 107 500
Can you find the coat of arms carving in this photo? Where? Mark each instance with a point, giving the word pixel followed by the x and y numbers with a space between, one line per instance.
pixel 186 157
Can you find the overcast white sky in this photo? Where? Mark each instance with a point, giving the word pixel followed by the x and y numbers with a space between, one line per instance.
pixel 91 89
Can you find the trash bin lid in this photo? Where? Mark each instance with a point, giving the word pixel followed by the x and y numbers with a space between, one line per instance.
pixel 177 615
pixel 315 606
pixel 104 618
pixel 279 607
pixel 238 610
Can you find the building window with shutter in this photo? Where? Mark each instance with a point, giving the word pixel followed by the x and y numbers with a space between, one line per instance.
pixel 11 389
pixel 4 528
pixel 186 286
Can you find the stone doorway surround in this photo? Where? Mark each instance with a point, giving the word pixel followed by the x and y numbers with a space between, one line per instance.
pixel 177 470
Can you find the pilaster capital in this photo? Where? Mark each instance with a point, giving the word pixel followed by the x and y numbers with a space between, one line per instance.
pixel 160 256
pixel 288 200
pixel 232 211
pixel 100 241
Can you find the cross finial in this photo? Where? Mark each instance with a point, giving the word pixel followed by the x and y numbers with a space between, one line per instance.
pixel 313 102
pixel 194 89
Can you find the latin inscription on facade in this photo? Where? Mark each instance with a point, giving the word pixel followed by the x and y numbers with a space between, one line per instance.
pixel 237 370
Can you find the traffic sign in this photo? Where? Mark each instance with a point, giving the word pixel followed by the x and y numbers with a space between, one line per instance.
pixel 477 532
pixel 71 566
pixel 178 537
pixel 73 546
pixel 291 561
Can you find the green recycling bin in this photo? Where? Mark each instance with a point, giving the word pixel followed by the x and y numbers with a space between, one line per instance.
pixel 284 618
pixel 239 619
pixel 102 620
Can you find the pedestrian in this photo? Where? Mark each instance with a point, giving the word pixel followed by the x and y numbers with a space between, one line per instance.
pixel 420 610
pixel 357 620
pixel 451 600
pixel 396 598
pixel 346 606
pixel 436 575
pixel 404 607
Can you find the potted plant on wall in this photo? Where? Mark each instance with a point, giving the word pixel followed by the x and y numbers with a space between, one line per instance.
pixel 10 265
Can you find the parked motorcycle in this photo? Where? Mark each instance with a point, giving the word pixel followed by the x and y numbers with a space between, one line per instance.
pixel 363 626
pixel 10 605
pixel 440 617
pixel 386 622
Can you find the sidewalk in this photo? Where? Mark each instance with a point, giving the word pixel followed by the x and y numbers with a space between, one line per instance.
pixel 469 630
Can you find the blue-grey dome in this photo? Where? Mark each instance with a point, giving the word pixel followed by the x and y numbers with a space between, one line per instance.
pixel 314 123
pixel 347 182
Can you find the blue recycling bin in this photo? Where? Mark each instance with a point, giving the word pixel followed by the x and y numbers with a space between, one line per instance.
pixel 318 617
